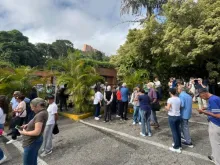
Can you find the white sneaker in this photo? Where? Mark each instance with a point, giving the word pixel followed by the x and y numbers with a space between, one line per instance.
pixel 3 159
pixel 149 134
pixel 175 150
pixel 139 123
pixel 46 153
pixel 100 116
pixel 96 118
pixel 173 146
pixel 142 134
pixel 11 141
pixel 118 116
pixel 134 123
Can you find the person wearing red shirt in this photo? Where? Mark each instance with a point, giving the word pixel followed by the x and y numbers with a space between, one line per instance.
pixel 118 94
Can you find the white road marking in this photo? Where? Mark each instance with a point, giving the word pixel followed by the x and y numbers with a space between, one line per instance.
pixel 145 140
pixel 191 121
pixel 18 145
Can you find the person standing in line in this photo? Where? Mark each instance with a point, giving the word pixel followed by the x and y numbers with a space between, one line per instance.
pixel 136 106
pixel 108 97
pixel 119 103
pixel 3 157
pixel 158 87
pixel 48 132
pixel 114 101
pixel 173 108
pixel 97 102
pixel 174 83
pixel 201 102
pixel 145 111
pixel 33 131
pixel 63 98
pixel 124 98
pixel 33 95
pixel 57 94
pixel 186 112
pixel 14 102
pixel 213 113
pixel 153 98
pixel 145 87
pixel 2 118
pixel 212 86
pixel 191 88
pixel 170 83
pixel 20 113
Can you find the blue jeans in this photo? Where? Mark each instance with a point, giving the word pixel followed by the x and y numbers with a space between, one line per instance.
pixel 174 122
pixel 97 110
pixel 145 120
pixel 154 117
pixel 136 114
pixel 185 130
pixel 1 154
pixel 31 152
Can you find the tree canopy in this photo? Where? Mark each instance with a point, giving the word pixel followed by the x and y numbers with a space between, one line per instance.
pixel 186 43
pixel 137 7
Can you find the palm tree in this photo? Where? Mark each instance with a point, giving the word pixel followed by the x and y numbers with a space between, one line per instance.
pixel 138 6
pixel 19 79
pixel 79 78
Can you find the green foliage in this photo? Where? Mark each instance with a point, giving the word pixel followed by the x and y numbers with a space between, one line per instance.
pixel 95 63
pixel 15 48
pixel 79 77
pixel 135 78
pixel 16 79
pixel 185 44
pixel 62 47
pixel 138 6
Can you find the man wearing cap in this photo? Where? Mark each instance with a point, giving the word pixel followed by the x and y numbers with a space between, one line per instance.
pixel 48 132
pixel 213 113
pixel 124 99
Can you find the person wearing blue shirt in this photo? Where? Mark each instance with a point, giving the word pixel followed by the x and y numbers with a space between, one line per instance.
pixel 185 112
pixel 174 84
pixel 124 99
pixel 145 111
pixel 13 101
pixel 213 113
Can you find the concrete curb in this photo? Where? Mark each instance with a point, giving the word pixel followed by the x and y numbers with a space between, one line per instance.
pixel 76 117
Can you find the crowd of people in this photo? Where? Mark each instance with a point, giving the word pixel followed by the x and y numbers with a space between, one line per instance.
pixel 34 118
pixel 146 102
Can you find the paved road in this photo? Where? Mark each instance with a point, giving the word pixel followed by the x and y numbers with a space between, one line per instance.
pixel 79 144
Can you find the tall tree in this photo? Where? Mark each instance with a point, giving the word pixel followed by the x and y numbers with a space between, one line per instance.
pixel 137 7
pixel 15 48
pixel 47 51
pixel 62 47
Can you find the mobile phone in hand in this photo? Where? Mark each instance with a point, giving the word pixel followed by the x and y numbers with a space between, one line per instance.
pixel 18 127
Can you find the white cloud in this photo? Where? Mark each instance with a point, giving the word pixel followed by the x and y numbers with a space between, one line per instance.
pixel 81 21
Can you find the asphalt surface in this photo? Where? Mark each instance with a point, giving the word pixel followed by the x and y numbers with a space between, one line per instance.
pixel 79 144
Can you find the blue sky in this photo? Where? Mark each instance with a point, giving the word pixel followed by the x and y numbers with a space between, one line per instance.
pixel 81 21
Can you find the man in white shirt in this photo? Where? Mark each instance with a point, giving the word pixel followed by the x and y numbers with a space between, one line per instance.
pixel 48 132
pixel 97 102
